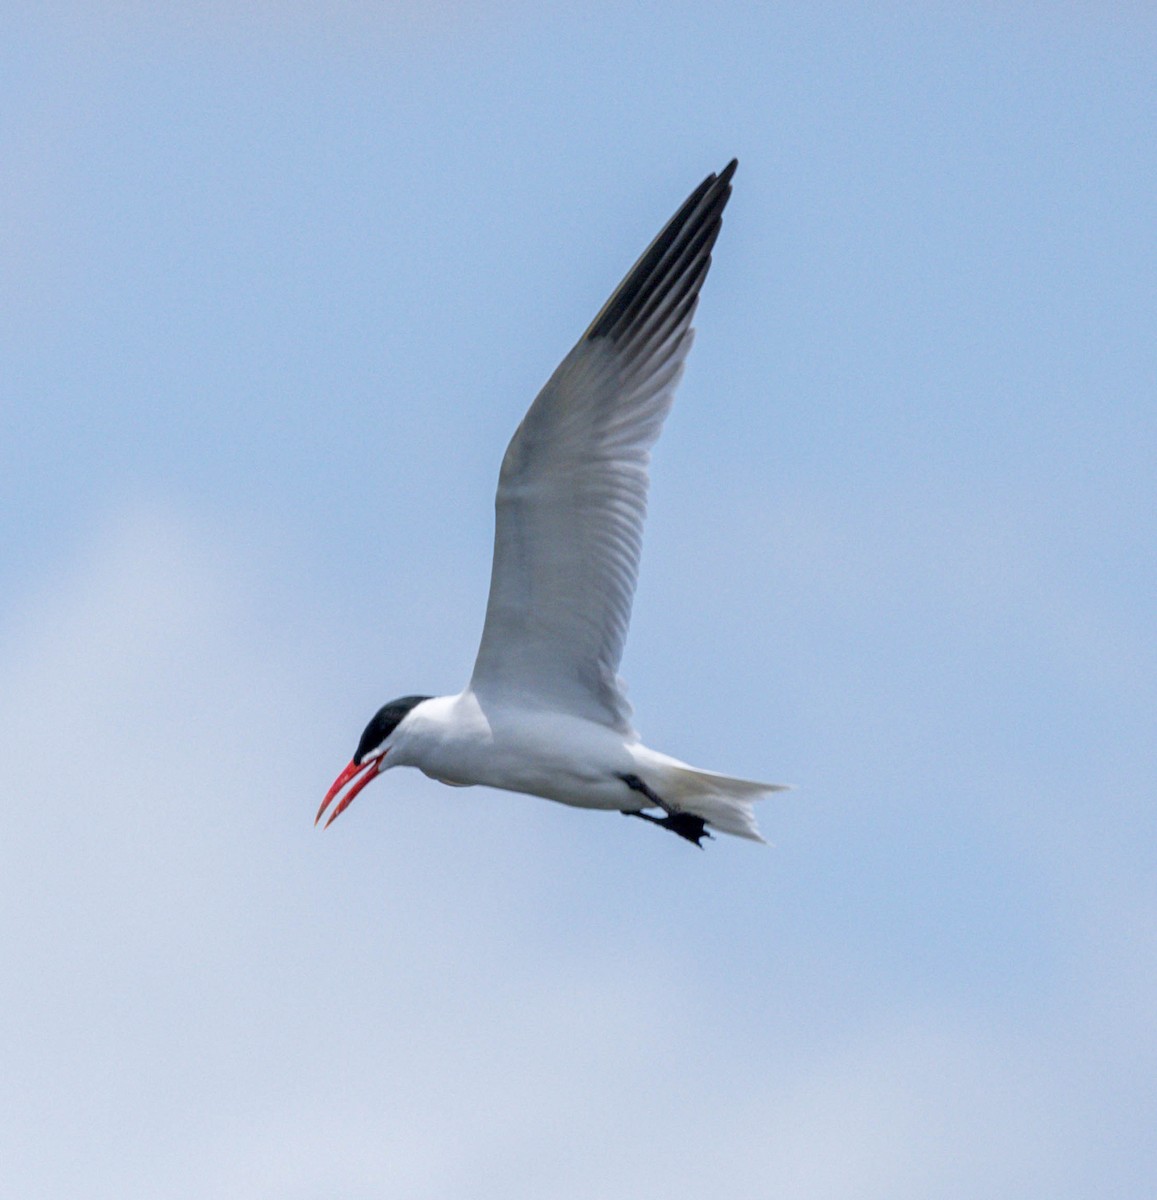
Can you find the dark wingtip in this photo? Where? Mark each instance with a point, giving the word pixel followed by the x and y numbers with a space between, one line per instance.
pixel 664 260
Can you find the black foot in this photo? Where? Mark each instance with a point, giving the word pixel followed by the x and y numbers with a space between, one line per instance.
pixel 693 828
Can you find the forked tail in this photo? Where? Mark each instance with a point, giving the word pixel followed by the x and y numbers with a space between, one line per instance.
pixel 725 803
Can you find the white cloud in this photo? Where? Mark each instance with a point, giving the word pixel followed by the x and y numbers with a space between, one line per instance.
pixel 204 996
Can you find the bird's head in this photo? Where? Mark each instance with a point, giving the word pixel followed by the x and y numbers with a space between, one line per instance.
pixel 369 758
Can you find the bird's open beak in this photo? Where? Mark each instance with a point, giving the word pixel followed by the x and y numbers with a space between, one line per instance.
pixel 360 774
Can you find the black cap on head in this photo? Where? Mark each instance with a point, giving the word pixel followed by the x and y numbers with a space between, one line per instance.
pixel 384 722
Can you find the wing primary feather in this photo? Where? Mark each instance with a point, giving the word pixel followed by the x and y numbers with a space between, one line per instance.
pixel 662 345
pixel 624 295
pixel 676 316
pixel 692 246
pixel 703 208
pixel 670 293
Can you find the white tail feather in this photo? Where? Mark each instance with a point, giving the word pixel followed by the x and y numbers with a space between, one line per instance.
pixel 724 802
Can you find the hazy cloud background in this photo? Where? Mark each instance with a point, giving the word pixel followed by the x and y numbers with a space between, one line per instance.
pixel 276 284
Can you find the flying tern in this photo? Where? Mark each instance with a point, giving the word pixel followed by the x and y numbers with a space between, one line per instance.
pixel 545 712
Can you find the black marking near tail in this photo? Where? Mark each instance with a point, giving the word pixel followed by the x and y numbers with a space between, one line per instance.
pixel 686 825
pixel 637 785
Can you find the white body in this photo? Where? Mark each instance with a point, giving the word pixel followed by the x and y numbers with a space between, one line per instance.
pixel 571 760
pixel 553 755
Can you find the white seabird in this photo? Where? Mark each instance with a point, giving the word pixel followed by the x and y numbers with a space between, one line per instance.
pixel 545 712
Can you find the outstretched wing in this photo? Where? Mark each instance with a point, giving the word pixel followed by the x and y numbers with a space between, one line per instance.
pixel 572 493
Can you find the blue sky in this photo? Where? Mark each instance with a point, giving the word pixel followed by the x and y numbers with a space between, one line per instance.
pixel 276 284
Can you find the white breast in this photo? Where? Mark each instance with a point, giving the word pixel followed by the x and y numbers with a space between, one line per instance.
pixel 455 740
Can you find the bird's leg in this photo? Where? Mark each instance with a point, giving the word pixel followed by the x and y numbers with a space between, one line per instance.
pixel 637 785
pixel 686 825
